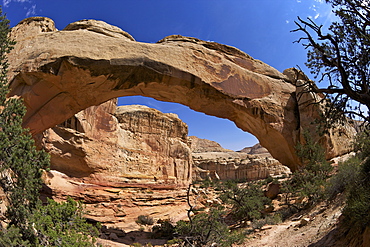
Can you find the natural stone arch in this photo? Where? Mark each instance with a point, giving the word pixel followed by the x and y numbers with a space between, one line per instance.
pixel 59 73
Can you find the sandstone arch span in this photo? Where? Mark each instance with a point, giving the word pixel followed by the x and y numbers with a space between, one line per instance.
pixel 59 73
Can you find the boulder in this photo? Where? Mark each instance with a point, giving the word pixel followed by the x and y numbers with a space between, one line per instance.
pixel 273 189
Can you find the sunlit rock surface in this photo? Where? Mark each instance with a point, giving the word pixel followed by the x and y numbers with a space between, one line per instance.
pixel 60 73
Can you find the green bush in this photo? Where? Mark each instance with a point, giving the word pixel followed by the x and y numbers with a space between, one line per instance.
pixel 208 228
pixel 62 224
pixel 310 180
pixel 247 201
pixel 164 230
pixel 145 220
pixel 357 209
pixel 21 167
pixel 345 178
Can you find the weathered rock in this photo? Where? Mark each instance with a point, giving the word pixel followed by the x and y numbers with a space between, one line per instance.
pixel 99 27
pixel 236 166
pixel 117 204
pixel 199 145
pixel 133 144
pixel 59 73
pixel 213 161
pixel 337 142
pixel 273 189
pixel 256 149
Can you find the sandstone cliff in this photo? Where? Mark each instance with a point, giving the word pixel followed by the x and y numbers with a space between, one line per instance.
pixel 130 144
pixel 213 161
pixel 59 73
pixel 118 158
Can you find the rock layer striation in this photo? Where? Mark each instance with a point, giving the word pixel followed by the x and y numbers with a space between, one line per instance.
pixel 130 144
pixel 59 73
pixel 211 161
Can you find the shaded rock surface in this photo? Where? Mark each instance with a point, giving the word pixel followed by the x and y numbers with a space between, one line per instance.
pixel 60 73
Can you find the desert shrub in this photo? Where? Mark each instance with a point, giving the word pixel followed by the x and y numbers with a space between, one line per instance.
pixel 136 245
pixel 357 209
pixel 21 167
pixel 268 220
pixel 362 144
pixel 164 230
pixel 207 228
pixel 312 155
pixel 145 220
pixel 12 236
pixel 311 179
pixel 247 201
pixel 345 178
pixel 61 224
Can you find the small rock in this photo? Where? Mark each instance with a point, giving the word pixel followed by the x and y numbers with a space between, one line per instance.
pixel 266 227
pixel 304 222
pixel 297 218
pixel 113 236
pixel 272 191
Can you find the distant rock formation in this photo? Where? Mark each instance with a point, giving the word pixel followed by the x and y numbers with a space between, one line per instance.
pixel 60 73
pixel 199 145
pixel 130 144
pixel 252 163
pixel 256 149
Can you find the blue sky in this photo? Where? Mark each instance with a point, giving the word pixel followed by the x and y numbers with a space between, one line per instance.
pixel 260 28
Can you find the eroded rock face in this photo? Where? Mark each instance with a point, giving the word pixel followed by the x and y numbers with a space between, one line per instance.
pixel 199 145
pixel 130 144
pixel 59 73
pixel 212 161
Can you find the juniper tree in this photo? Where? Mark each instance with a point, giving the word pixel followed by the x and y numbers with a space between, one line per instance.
pixel 341 57
pixel 29 222
pixel 20 162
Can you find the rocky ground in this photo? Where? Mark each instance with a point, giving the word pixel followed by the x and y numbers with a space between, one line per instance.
pixel 301 230
pixel 308 228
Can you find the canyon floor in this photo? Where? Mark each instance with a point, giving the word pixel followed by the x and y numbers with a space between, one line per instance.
pixel 307 228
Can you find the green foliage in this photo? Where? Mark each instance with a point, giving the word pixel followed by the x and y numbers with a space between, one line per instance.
pixel 11 237
pixel 136 245
pixel 164 230
pixel 357 209
pixel 341 57
pixel 345 178
pixel 362 144
pixel 247 201
pixel 145 220
pixel 312 155
pixel 61 224
pixel 207 228
pixel 311 179
pixel 20 163
pixel 268 220
pixel 21 166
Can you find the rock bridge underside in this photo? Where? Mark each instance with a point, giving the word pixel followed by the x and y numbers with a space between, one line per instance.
pixel 59 73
